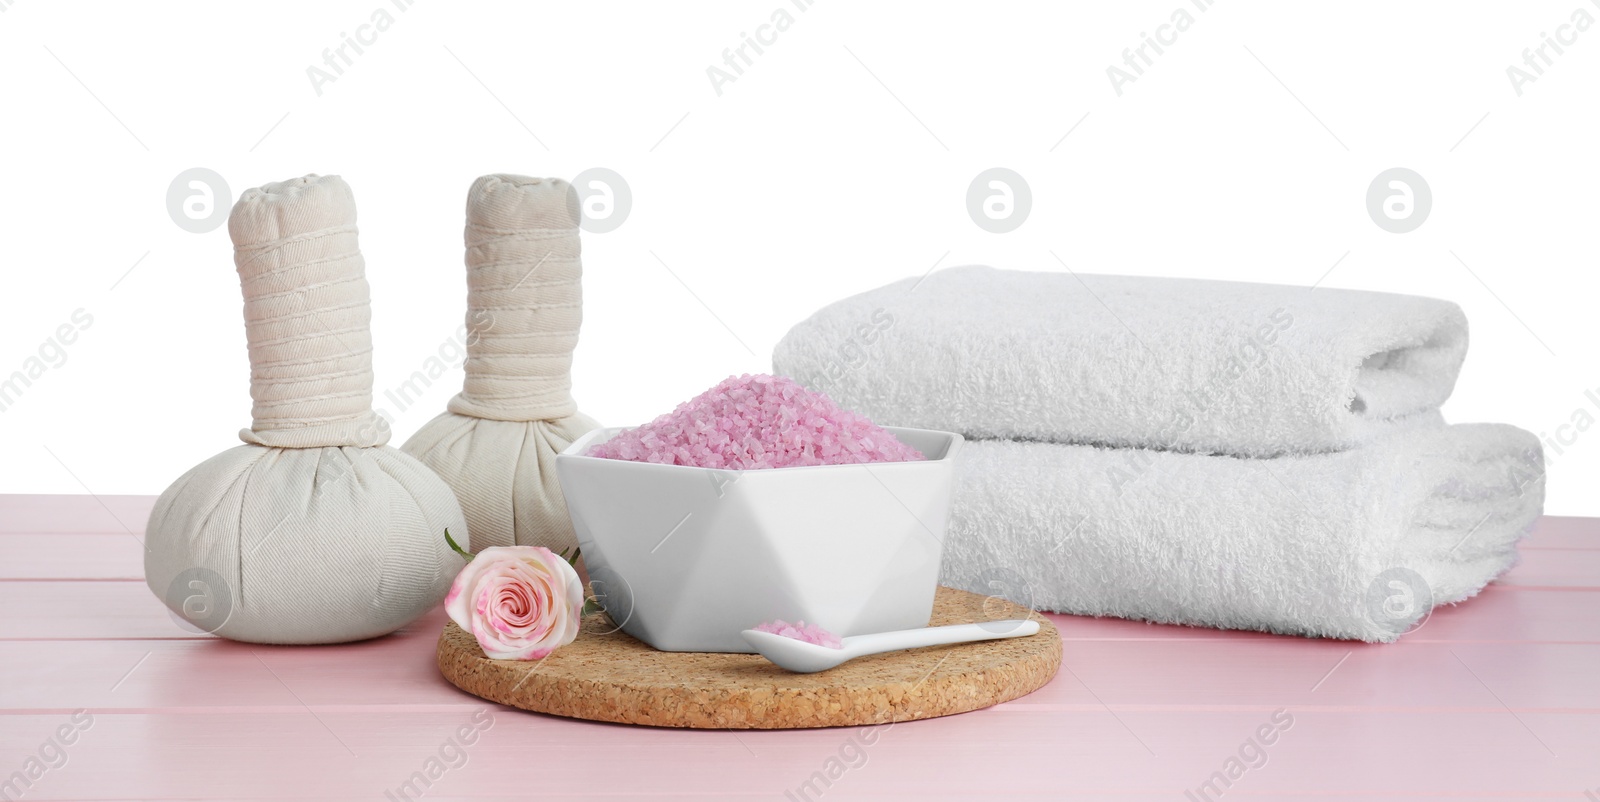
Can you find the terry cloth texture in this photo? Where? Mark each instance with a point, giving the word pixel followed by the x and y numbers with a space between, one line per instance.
pixel 1176 364
pixel 1358 544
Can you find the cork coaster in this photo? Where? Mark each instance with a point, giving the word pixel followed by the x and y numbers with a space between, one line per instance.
pixel 606 675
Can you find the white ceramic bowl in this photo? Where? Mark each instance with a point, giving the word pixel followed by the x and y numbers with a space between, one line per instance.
pixel 685 558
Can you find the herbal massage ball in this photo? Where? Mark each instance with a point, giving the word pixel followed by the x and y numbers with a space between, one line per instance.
pixel 314 531
pixel 497 444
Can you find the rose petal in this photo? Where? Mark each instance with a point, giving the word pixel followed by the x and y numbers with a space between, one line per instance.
pixel 519 602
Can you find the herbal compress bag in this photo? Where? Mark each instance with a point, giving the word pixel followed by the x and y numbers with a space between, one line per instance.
pixel 497 444
pixel 316 531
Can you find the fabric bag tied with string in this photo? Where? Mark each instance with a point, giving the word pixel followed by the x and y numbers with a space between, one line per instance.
pixel 315 531
pixel 496 445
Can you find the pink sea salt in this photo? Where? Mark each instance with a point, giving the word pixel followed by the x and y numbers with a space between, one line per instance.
pixel 757 421
pixel 801 631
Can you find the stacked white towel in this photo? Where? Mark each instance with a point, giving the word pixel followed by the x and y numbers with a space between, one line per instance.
pixel 1300 545
pixel 1220 454
pixel 1181 364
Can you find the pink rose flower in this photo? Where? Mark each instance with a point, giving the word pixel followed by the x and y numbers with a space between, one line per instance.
pixel 520 602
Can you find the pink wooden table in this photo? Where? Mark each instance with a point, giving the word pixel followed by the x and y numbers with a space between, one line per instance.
pixel 1498 698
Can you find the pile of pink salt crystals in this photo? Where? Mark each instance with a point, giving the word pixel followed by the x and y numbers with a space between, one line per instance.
pixel 801 631
pixel 757 421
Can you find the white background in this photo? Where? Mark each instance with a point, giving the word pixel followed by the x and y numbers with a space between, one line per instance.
pixel 839 161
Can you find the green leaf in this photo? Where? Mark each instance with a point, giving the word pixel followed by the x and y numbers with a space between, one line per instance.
pixel 455 547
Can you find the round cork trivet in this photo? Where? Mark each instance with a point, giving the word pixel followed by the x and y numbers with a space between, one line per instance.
pixel 606 675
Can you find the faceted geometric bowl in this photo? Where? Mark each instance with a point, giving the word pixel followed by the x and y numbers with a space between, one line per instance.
pixel 684 558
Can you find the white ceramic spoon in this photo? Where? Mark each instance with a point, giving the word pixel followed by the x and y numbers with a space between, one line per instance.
pixel 808 658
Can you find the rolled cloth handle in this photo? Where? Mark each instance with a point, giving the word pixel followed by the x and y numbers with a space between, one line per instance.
pixel 307 315
pixel 524 300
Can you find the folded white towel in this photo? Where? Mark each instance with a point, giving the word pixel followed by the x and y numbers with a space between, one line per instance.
pixel 1357 544
pixel 1178 364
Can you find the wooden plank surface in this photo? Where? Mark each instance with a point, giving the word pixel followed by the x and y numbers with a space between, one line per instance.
pixel 1496 698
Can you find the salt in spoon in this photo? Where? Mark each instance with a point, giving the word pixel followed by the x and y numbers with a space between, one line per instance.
pixel 808 658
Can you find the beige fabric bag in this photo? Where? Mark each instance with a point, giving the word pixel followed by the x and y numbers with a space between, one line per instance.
pixel 314 532
pixel 496 445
